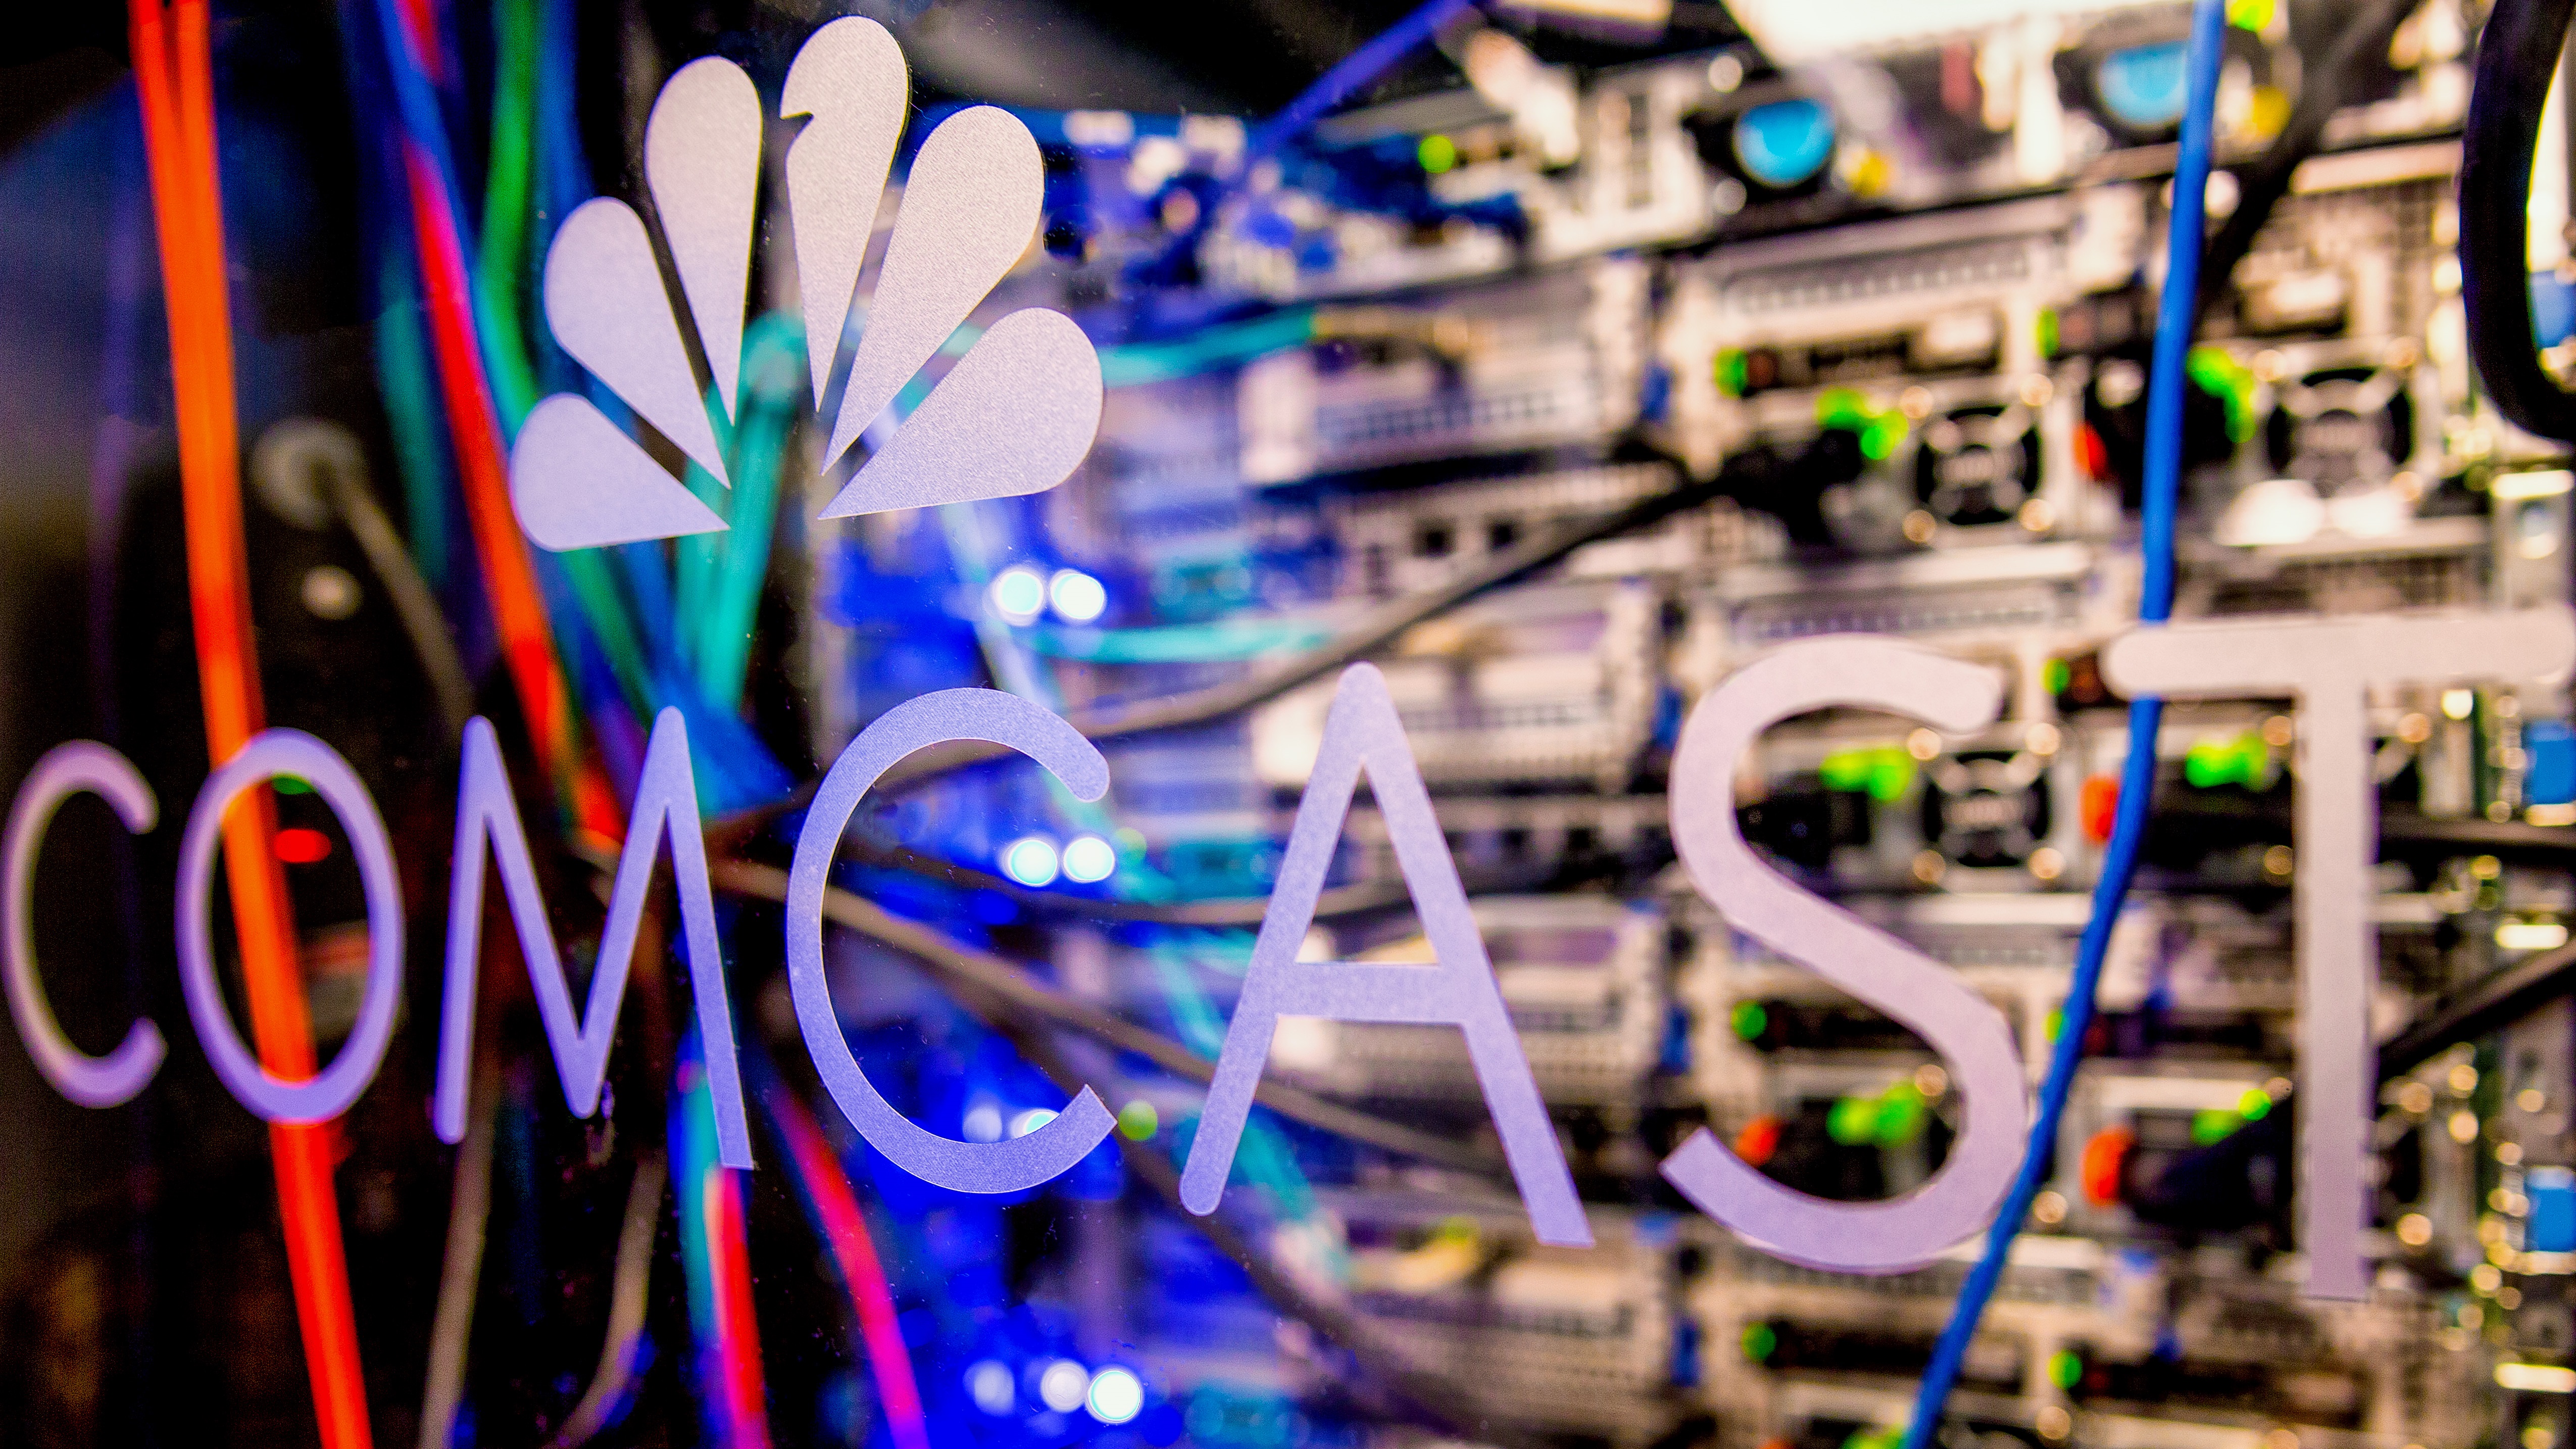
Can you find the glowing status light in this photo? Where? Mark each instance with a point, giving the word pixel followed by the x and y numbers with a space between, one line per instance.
pixel 1785 142
pixel 1019 593
pixel 1030 861
pixel 983 1123
pixel 988 1383
pixel 1138 1121
pixel 1437 154
pixel 1064 1385
pixel 1116 1396
pixel 1088 858
pixel 1078 597
pixel 1030 1121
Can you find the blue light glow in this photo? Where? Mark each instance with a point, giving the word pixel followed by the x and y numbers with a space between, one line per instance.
pixel 1088 858
pixel 1019 592
pixel 1078 597
pixel 989 1384
pixel 1063 1385
pixel 1116 1396
pixel 2142 86
pixel 1031 861
pixel 1785 142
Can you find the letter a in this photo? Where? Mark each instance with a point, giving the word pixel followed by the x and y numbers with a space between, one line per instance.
pixel 666 799
pixel 1362 733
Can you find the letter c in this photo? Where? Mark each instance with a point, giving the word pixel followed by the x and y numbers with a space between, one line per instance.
pixel 65 771
pixel 951 714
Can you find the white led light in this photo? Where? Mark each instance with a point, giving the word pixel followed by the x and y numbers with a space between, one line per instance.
pixel 1077 596
pixel 1030 1121
pixel 1063 1385
pixel 989 1384
pixel 1030 860
pixel 983 1123
pixel 1089 858
pixel 2536 1378
pixel 2530 935
pixel 1019 592
pixel 1116 1396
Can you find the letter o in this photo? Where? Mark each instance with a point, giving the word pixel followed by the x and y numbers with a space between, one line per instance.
pixel 270 754
pixel 951 714
pixel 65 771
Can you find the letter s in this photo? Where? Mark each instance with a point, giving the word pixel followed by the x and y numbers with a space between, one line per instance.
pixel 1905 1232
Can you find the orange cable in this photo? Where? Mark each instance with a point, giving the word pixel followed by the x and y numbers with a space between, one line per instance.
pixel 179 133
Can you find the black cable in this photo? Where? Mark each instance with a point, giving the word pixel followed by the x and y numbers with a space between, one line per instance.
pixel 2517 59
pixel 2490 1005
pixel 2323 86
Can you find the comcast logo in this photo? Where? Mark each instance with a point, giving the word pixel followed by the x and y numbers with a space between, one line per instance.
pixel 1013 416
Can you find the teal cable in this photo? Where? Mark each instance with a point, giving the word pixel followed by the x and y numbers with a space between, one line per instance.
pixel 411 415
pixel 774 377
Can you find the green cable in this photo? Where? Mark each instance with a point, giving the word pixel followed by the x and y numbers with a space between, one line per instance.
pixel 505 208
pixel 774 374
pixel 411 415
pixel 694 559
pixel 605 609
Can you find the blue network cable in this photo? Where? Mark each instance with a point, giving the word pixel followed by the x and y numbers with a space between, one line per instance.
pixel 2174 316
pixel 1354 73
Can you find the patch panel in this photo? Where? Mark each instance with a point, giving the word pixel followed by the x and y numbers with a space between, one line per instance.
pixel 1539 837
pixel 1585 981
pixel 1402 540
pixel 2018 606
pixel 1542 1339
pixel 1556 684
pixel 1553 362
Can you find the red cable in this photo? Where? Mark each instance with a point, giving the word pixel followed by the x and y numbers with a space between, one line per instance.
pixel 174 78
pixel 527 641
pixel 845 1232
pixel 737 1335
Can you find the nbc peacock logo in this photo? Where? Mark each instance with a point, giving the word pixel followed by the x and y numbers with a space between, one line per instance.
pixel 1013 416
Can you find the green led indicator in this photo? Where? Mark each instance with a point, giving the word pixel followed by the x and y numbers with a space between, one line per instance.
pixel 2065 1368
pixel 2255 1105
pixel 1852 1122
pixel 1886 772
pixel 2214 1126
pixel 2229 381
pixel 1748 1020
pixel 1730 371
pixel 1879 430
pixel 291 785
pixel 1760 1342
pixel 2244 760
pixel 2048 332
pixel 2056 676
pixel 1138 1121
pixel 1438 153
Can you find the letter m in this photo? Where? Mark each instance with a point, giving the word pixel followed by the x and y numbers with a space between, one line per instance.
pixel 666 802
